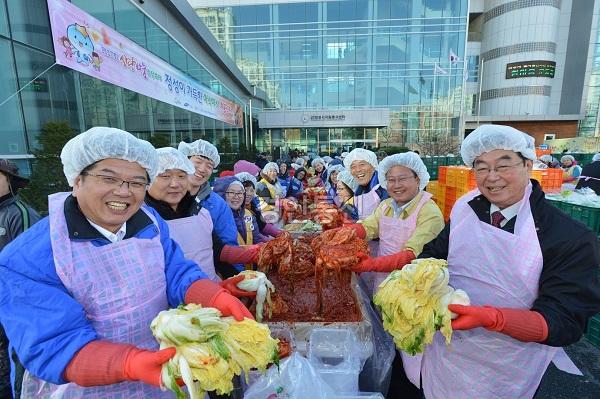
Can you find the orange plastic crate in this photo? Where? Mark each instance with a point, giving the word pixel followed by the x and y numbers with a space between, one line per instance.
pixel 442 172
pixel 450 195
pixel 433 188
pixel 539 153
pixel 451 176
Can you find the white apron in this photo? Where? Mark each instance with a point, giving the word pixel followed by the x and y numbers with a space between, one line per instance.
pixel 121 286
pixel 393 235
pixel 495 268
pixel 194 236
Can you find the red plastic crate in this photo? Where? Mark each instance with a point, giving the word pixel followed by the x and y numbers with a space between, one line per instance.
pixel 442 172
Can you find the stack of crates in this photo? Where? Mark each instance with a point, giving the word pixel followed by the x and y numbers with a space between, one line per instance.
pixel 453 182
pixel 550 179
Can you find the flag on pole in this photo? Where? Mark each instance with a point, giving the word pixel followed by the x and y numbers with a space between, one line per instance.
pixel 453 57
pixel 439 70
pixel 466 75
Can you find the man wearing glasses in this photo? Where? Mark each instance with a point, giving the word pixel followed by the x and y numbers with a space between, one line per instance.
pixel 529 269
pixel 80 287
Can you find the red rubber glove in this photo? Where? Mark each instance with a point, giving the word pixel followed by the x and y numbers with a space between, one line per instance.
pixel 146 366
pixel 230 306
pixel 104 363
pixel 384 264
pixel 271 230
pixel 357 227
pixel 239 254
pixel 521 324
pixel 231 285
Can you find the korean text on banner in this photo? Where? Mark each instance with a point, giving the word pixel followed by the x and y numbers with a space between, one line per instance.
pixel 85 44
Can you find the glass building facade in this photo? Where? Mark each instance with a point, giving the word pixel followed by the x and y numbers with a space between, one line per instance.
pixel 589 125
pixel 50 93
pixel 352 54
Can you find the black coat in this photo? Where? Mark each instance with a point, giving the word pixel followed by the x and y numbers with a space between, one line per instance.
pixel 569 291
pixel 590 170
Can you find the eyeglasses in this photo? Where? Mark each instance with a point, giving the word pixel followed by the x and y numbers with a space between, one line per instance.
pixel 483 171
pixel 235 193
pixel 399 180
pixel 115 182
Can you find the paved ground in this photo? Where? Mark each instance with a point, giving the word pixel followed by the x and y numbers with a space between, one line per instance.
pixel 559 385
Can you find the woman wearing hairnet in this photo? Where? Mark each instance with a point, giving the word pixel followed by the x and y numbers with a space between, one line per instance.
pixel 194 232
pixel 206 158
pixel 571 170
pixel 80 288
pixel 255 204
pixel 363 166
pixel 346 184
pixel 268 187
pixel 590 175
pixel 233 192
pixel 529 269
pixel 331 185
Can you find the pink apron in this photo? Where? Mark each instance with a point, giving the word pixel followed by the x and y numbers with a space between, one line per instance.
pixel 393 235
pixel 122 288
pixel 366 205
pixel 495 268
pixel 194 236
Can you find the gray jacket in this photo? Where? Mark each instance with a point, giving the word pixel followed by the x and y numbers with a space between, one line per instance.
pixel 15 217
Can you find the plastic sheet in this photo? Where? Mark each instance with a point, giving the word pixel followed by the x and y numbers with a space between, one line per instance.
pixel 296 378
pixel 584 196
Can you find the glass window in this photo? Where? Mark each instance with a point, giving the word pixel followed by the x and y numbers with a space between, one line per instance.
pixel 101 10
pixel 29 23
pixel 3 20
pixel 11 128
pixel 50 97
pixel 177 55
pixel 158 40
pixel 137 115
pixel 100 102
pixel 130 21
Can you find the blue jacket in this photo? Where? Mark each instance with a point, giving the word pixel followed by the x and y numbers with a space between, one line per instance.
pixel 295 188
pixel 45 325
pixel 222 218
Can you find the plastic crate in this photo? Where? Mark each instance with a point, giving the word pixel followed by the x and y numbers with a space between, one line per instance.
pixel 549 179
pixel 592 333
pixel 585 214
pixel 442 173
pixel 433 188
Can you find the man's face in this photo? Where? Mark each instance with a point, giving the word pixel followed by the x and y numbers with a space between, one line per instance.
pixel 102 198
pixel 204 168
pixel 502 176
pixel 170 187
pixel 362 172
pixel 402 184
pixel 4 184
pixel 234 196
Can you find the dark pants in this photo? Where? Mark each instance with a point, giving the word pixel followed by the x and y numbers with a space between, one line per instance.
pixel 400 386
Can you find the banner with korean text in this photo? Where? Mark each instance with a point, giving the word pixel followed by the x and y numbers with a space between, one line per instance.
pixel 85 44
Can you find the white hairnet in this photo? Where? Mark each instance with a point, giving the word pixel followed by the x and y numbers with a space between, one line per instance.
pixel 488 138
pixel 344 155
pixel 333 168
pixel 300 161
pixel 236 183
pixel 407 159
pixel 360 154
pixel 546 158
pixel 316 161
pixel 596 157
pixel 346 177
pixel 100 143
pixel 327 158
pixel 170 158
pixel 202 148
pixel 245 176
pixel 270 166
pixel 567 158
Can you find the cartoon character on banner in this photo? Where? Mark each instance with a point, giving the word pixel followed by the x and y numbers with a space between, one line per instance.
pixel 67 45
pixel 96 61
pixel 81 43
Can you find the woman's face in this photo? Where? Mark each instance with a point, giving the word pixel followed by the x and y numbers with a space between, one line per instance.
pixel 272 174
pixel 343 192
pixel 282 168
pixel 333 177
pixel 300 175
pixel 319 167
pixel 234 196
pixel 250 193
